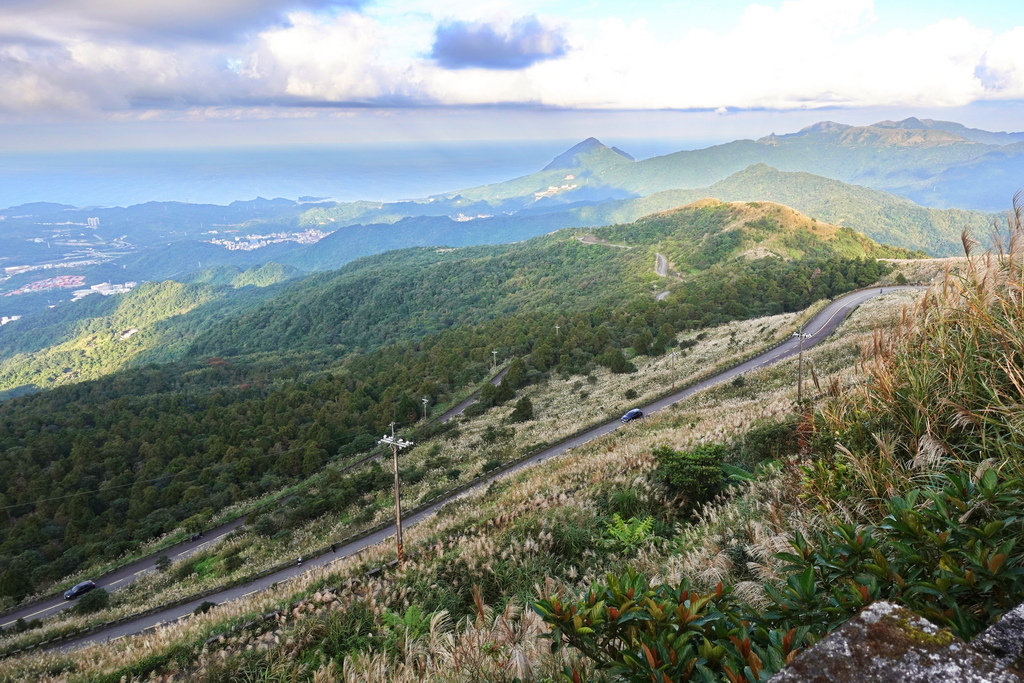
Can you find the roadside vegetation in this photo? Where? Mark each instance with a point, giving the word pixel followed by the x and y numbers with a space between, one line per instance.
pixel 333 504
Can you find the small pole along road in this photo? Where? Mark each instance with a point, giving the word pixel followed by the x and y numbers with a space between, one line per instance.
pixel 817 329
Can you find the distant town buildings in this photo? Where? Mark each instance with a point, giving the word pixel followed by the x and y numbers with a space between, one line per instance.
pixel 553 190
pixel 104 288
pixel 8 319
pixel 93 222
pixel 61 282
pixel 250 242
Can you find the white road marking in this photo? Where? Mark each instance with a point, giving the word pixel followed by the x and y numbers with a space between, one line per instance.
pixel 29 616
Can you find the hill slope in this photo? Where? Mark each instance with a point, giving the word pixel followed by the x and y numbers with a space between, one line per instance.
pixel 882 216
pixel 416 292
pixel 87 339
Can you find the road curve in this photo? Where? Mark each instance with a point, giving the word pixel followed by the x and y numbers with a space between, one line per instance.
pixel 819 327
pixel 661 265
pixel 473 398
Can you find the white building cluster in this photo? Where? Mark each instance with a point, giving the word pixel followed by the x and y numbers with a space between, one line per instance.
pixel 104 288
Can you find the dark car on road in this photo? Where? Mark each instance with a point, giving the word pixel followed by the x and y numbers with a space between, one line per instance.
pixel 79 589
pixel 634 414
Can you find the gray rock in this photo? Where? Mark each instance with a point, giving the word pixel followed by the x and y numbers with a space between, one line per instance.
pixel 886 643
pixel 1004 639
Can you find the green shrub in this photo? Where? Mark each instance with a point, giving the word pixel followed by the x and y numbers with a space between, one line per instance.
pixel 16 584
pixel 954 556
pixel 640 633
pixel 764 441
pixel 523 410
pixel 625 502
pixel 204 607
pixel 491 464
pixel 494 434
pixel 232 562
pixel 695 474
pixel 93 601
pixel 475 410
pixel 628 535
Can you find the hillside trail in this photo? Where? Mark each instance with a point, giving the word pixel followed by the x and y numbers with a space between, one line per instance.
pixel 661 270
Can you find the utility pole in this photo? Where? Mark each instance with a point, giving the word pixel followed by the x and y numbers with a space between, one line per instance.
pixel 425 401
pixel 396 445
pixel 800 367
pixel 557 327
pixel 494 361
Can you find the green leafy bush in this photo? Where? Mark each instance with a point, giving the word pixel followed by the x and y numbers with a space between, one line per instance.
pixel 952 555
pixel 628 535
pixel 93 601
pixel 695 474
pixel 523 410
pixel 639 633
pixel 204 607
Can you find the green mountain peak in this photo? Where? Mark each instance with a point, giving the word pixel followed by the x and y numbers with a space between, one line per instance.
pixel 591 153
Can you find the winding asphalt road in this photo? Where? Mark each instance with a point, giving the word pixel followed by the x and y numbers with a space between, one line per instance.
pixel 817 329
pixel 120 578
pixel 661 265
pixel 474 397
pixel 661 269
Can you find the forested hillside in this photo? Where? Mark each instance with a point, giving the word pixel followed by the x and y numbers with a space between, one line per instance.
pixel 268 397
pixel 410 293
pixel 98 335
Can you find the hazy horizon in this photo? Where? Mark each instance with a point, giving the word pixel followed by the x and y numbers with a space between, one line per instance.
pixel 369 171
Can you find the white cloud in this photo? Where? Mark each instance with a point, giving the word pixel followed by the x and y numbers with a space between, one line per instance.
pixel 1001 69
pixel 797 54
pixel 312 59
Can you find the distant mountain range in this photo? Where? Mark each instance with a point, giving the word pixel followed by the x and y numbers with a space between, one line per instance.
pixel 919 159
pixel 894 181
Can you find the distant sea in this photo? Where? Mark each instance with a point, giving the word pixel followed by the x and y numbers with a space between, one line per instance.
pixel 386 172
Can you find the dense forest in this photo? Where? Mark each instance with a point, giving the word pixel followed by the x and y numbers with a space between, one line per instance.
pixel 271 395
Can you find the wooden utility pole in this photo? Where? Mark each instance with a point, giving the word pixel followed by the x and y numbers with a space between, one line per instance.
pixel 396 445
pixel 800 368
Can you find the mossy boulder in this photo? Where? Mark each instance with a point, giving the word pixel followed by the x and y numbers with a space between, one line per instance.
pixel 886 643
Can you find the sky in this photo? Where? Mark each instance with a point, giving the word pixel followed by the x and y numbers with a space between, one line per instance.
pixel 123 74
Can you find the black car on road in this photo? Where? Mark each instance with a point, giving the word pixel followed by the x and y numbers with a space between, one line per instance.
pixel 634 414
pixel 79 589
